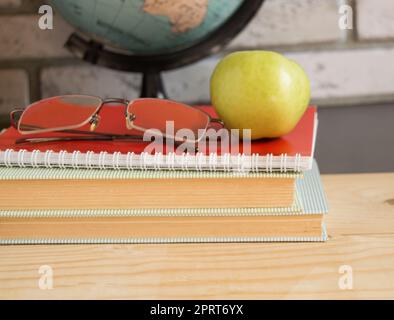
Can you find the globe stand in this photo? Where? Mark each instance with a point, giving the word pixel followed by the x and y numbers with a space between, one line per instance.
pixel 152 86
pixel 152 65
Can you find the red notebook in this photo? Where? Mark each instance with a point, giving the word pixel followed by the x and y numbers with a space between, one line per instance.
pixel 292 152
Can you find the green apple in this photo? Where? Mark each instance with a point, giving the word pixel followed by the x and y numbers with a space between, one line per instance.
pixel 260 90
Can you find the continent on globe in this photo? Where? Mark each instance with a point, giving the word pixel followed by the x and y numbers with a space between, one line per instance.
pixel 183 14
pixel 147 27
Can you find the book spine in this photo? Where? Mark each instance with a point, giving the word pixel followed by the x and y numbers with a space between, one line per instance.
pixel 145 161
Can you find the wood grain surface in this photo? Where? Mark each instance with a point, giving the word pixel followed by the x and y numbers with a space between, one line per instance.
pixel 361 229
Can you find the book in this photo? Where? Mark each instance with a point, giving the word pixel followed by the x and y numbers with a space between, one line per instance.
pixel 169 226
pixel 290 153
pixel 55 188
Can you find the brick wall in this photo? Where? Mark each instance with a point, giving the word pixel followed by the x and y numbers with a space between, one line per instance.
pixel 346 67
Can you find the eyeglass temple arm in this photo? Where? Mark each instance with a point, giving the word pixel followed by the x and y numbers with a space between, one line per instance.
pixel 101 137
pixel 13 117
pixel 132 138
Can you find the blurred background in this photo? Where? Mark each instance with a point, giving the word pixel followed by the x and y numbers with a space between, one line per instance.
pixel 351 71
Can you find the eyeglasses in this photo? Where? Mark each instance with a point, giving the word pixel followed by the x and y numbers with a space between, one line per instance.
pixel 72 112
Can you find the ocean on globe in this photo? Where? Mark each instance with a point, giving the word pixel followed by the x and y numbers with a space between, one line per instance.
pixel 147 27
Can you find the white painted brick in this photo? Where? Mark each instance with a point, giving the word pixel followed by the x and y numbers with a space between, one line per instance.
pixel 21 37
pixel 14 90
pixel 190 84
pixel 186 84
pixel 10 3
pixel 91 80
pixel 333 74
pixel 344 74
pixel 291 22
pixel 375 19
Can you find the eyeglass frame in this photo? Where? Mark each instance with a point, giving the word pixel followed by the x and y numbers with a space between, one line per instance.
pixel 94 121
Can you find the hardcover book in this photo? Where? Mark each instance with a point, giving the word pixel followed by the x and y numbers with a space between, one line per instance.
pixel 21 225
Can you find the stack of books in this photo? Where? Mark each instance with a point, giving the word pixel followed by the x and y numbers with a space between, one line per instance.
pixel 114 192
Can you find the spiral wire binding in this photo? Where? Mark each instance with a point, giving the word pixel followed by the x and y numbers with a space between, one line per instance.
pixel 44 241
pixel 146 161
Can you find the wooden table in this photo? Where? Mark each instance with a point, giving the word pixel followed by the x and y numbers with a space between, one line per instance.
pixel 361 229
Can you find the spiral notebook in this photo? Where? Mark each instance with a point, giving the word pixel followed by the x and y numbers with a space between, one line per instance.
pixel 290 153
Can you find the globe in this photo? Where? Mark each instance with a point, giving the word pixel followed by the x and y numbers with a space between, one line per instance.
pixel 152 36
pixel 148 27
